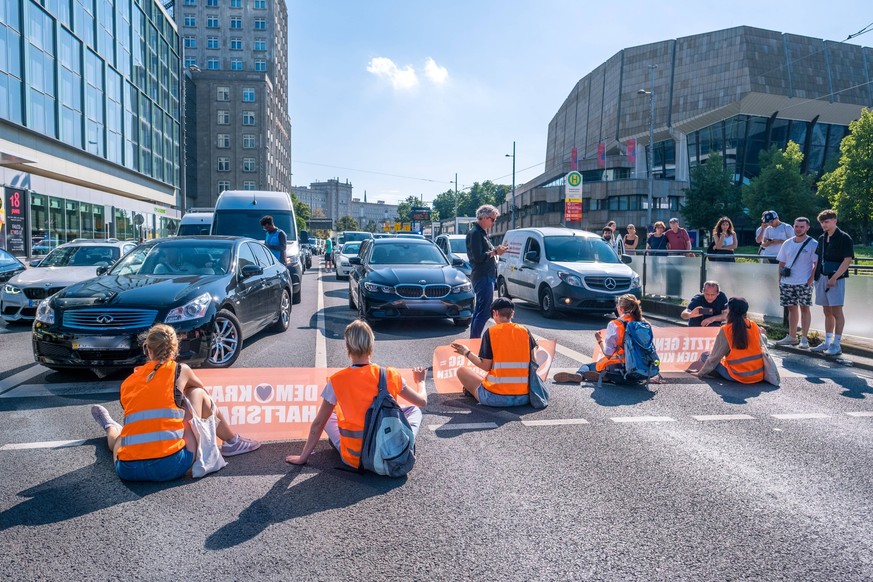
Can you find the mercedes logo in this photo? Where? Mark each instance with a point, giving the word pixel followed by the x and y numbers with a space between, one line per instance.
pixel 104 319
pixel 609 283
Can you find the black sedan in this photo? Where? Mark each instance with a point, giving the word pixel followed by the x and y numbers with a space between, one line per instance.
pixel 215 291
pixel 394 278
pixel 9 266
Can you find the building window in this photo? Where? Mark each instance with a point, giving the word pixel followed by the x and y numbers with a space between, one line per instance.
pixel 224 118
pixel 260 4
pixel 190 62
pixel 191 21
pixel 236 3
pixel 223 185
pixel 212 42
pixel 260 24
pixel 248 118
pixel 260 44
pixel 224 164
pixel 236 64
pixel 260 65
pixel 213 64
pixel 211 22
pixel 236 23
pixel 236 44
pixel 190 42
pixel 248 95
pixel 190 2
pixel 249 165
pixel 249 185
pixel 223 141
pixel 249 142
pixel 223 94
pixel 212 3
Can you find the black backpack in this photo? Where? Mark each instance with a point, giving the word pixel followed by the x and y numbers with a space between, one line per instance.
pixel 389 443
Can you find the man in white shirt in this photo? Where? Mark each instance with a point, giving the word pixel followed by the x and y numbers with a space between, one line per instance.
pixel 775 234
pixel 797 259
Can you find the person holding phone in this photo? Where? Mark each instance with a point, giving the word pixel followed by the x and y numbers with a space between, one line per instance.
pixel 709 307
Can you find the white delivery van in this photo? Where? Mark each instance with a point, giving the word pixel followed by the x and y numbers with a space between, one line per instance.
pixel 562 269
pixel 239 213
pixel 196 221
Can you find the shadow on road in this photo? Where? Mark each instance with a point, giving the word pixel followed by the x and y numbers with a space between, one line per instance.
pixel 736 393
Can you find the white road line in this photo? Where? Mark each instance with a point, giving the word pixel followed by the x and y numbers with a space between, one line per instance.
pixel 706 417
pixel 23 376
pixel 464 426
pixel 642 419
pixel 862 413
pixel 43 445
pixel 800 415
pixel 572 354
pixel 320 342
pixel 554 422
pixel 62 390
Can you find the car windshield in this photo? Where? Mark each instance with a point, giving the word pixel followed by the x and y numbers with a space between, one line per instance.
pixel 245 222
pixel 407 254
pixel 458 245
pixel 6 258
pixel 351 248
pixel 577 249
pixel 81 256
pixel 352 236
pixel 175 258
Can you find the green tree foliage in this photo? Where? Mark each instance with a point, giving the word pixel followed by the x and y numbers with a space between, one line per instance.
pixel 346 223
pixel 301 211
pixel 712 195
pixel 444 204
pixel 372 226
pixel 404 209
pixel 849 188
pixel 780 186
pixel 485 193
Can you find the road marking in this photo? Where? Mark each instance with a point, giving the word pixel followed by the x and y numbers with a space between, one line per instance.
pixel 642 419
pixel 62 390
pixel 706 417
pixel 800 415
pixel 554 422
pixel 23 376
pixel 320 342
pixel 43 445
pixel 863 413
pixel 565 351
pixel 464 426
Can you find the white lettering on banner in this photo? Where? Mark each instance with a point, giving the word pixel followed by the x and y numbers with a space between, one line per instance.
pixel 264 393
pixel 255 414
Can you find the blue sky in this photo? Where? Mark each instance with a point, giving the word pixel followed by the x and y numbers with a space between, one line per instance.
pixel 398 96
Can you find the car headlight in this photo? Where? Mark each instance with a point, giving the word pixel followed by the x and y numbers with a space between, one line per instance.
pixel 570 279
pixel 344 262
pixel 45 313
pixel 292 260
pixel 194 309
pixel 374 288
pixel 12 289
pixel 635 280
pixel 463 288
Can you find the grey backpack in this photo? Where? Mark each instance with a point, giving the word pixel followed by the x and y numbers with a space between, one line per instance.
pixel 389 443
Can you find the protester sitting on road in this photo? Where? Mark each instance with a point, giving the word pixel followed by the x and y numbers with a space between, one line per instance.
pixel 612 345
pixel 156 442
pixel 709 307
pixel 505 353
pixel 350 392
pixel 657 241
pixel 739 351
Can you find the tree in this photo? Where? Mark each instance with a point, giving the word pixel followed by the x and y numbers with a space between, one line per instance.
pixel 301 211
pixel 444 204
pixel 485 193
pixel 780 186
pixel 404 209
pixel 712 195
pixel 346 223
pixel 849 188
pixel 372 226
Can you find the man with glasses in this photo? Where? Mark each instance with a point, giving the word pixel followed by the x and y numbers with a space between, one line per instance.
pixel 482 256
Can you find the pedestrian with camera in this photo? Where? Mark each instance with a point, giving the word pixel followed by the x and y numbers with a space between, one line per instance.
pixel 774 234
pixel 835 254
pixel 797 260
pixel 707 308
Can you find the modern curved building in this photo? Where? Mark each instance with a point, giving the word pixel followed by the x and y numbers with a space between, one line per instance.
pixel 734 91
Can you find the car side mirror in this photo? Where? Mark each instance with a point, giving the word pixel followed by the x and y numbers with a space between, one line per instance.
pixel 627 259
pixel 457 262
pixel 354 260
pixel 532 256
pixel 251 271
pixel 102 270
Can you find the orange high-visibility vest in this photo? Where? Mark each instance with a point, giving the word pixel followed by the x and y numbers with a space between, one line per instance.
pixel 746 366
pixel 618 356
pixel 510 345
pixel 355 389
pixel 153 424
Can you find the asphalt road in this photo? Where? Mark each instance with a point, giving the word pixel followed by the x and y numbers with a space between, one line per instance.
pixel 692 480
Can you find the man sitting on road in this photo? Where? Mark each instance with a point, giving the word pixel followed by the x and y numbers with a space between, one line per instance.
pixel 709 307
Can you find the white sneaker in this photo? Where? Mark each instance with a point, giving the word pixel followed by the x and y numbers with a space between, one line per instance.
pixel 820 348
pixel 834 350
pixel 804 344
pixel 787 341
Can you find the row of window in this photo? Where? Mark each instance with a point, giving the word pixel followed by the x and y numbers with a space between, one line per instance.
pixel 248 117
pixel 256 4
pixel 250 141
pixel 214 64
pixel 236 44
pixel 248 94
pixel 247 185
pixel 236 22
pixel 248 164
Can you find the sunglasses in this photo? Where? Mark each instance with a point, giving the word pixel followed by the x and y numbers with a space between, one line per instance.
pixel 492 218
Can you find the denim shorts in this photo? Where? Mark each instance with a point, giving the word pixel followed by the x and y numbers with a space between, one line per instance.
pixel 501 400
pixel 163 469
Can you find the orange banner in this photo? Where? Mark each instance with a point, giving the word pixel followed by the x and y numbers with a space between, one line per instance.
pixel 677 347
pixel 446 363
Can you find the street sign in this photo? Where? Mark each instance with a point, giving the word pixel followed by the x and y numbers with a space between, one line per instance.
pixel 573 187
pixel 421 214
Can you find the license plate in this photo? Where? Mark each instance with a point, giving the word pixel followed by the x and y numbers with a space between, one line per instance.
pixel 33 302
pixel 102 343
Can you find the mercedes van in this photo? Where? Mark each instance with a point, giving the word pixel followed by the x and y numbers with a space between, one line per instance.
pixel 239 213
pixel 196 221
pixel 561 269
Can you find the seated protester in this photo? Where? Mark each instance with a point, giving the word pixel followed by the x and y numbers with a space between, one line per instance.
pixel 505 353
pixel 156 442
pixel 350 392
pixel 709 307
pixel 739 352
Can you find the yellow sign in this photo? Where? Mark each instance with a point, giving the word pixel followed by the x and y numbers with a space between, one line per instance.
pixel 407 227
pixel 396 227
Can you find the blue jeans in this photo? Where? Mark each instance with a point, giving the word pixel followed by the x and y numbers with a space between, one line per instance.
pixel 484 290
pixel 488 398
pixel 164 469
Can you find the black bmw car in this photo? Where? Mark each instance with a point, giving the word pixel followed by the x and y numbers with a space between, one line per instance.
pixel 215 291
pixel 405 277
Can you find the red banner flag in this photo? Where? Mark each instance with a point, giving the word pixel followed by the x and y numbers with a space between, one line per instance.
pixel 632 151
pixel 574 159
pixel 601 155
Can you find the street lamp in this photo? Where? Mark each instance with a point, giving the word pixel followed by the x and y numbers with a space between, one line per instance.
pixel 512 155
pixel 456 203
pixel 650 158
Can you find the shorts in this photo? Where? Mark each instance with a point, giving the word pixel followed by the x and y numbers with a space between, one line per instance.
pixel 501 400
pixel 795 295
pixel 164 469
pixel 830 296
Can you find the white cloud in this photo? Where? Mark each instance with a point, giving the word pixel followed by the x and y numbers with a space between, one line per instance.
pixel 401 79
pixel 434 72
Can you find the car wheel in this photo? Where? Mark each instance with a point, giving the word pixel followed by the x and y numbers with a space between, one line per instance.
pixel 284 320
pixel 547 303
pixel 502 291
pixel 462 321
pixel 226 341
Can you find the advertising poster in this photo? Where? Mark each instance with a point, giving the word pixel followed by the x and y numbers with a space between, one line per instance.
pixel 14 221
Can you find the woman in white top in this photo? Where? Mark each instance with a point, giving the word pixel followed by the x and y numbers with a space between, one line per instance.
pixel 724 239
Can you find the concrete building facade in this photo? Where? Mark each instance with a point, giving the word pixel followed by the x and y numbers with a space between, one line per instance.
pixel 335 199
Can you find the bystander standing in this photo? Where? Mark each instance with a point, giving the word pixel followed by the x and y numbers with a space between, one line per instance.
pixel 835 254
pixel 797 259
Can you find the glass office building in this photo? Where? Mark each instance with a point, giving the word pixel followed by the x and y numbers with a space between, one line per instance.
pixel 90 121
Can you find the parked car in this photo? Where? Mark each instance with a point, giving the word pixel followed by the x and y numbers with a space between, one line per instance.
pixel 561 269
pixel 343 266
pixel 215 291
pixel 409 235
pixel 9 266
pixel 396 278
pixel 67 264
pixel 455 245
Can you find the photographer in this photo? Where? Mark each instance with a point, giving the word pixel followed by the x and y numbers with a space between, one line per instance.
pixel 797 259
pixel 709 307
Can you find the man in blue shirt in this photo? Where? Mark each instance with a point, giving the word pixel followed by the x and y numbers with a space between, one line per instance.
pixel 276 239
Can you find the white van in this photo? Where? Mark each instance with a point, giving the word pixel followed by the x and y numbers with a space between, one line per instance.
pixel 239 213
pixel 196 221
pixel 562 269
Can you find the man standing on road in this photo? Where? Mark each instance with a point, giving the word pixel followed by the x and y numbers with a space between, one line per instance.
pixel 797 259
pixel 677 237
pixel 835 254
pixel 775 233
pixel 276 240
pixel 481 254
pixel 328 253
